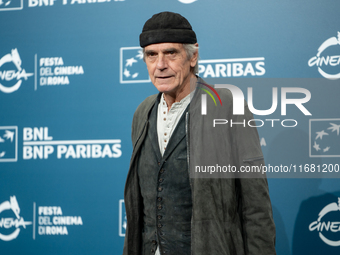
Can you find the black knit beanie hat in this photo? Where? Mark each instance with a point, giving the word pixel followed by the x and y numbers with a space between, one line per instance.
pixel 167 27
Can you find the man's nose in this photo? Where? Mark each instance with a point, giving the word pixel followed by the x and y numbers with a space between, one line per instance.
pixel 161 62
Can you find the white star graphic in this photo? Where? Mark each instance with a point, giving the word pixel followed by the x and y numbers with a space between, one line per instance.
pixel 130 61
pixel 316 146
pixel 326 149
pixel 126 73
pixel 140 54
pixel 334 128
pixel 320 134
pixel 9 135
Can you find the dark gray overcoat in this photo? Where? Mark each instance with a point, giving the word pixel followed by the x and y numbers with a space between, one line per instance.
pixel 230 216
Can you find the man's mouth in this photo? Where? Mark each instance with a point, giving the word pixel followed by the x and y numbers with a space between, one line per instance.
pixel 163 77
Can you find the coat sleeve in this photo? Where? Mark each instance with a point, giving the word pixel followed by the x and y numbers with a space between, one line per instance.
pixel 132 196
pixel 258 228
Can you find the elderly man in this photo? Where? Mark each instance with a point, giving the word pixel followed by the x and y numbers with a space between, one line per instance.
pixel 168 211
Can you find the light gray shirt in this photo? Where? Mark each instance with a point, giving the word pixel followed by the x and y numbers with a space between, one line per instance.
pixel 168 120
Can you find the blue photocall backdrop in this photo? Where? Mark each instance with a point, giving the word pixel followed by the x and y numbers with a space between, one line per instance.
pixel 72 75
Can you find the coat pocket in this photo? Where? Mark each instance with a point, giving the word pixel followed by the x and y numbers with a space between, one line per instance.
pixel 249 160
pixel 235 241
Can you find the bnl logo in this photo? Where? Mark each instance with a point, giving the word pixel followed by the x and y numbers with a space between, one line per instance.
pixel 324 138
pixel 132 66
pixel 122 218
pixel 238 99
pixel 9 144
pixel 11 5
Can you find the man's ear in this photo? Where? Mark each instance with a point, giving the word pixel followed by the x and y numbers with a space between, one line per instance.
pixel 194 59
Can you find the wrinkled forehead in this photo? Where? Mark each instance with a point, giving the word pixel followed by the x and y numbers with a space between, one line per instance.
pixel 164 47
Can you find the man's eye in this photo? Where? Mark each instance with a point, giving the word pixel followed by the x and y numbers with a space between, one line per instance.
pixel 171 54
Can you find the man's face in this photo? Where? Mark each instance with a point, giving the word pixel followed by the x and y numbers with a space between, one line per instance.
pixel 169 67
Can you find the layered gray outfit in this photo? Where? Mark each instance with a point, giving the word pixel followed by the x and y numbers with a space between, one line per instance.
pixel 215 216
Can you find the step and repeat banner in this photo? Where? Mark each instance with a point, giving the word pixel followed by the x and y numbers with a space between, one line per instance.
pixel 72 75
